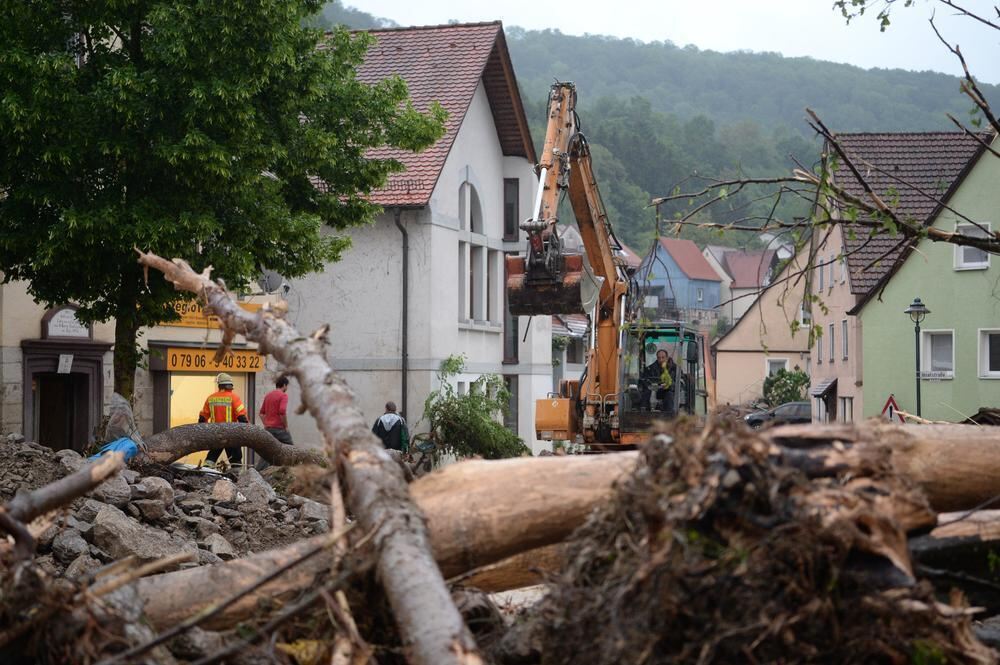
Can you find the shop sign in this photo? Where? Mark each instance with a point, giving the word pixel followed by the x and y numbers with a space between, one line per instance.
pixel 192 314
pixel 203 360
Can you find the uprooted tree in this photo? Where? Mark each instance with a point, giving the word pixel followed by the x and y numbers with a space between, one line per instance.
pixel 165 124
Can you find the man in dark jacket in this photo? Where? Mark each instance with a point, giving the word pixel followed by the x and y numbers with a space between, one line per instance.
pixel 391 428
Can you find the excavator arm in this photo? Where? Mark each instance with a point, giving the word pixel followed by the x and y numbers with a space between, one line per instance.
pixel 547 280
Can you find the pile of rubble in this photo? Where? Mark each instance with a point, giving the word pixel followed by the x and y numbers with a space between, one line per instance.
pixel 148 517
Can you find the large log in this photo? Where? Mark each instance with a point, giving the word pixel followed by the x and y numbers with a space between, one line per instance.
pixel 430 625
pixel 170 445
pixel 483 511
pixel 957 466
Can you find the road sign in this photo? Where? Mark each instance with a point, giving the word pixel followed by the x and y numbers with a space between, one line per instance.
pixel 891 411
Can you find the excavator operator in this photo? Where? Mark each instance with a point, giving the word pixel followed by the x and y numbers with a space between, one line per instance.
pixel 661 373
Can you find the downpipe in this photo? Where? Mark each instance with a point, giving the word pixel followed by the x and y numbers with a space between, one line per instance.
pixel 404 355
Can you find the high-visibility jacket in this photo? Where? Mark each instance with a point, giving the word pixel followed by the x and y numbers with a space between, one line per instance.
pixel 223 406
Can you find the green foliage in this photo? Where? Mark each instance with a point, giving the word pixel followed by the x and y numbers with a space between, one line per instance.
pixel 191 129
pixel 468 425
pixel 785 386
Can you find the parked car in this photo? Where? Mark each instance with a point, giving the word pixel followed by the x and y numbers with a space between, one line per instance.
pixel 792 412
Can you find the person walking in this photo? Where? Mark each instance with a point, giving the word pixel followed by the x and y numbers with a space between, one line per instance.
pixel 274 411
pixel 224 406
pixel 391 428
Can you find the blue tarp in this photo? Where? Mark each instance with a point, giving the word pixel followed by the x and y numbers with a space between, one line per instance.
pixel 124 444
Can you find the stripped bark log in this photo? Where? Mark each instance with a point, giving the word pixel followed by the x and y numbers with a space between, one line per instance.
pixel 377 495
pixel 955 465
pixel 480 512
pixel 170 445
pixel 516 572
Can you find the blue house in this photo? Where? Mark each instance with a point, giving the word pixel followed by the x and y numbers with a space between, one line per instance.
pixel 679 283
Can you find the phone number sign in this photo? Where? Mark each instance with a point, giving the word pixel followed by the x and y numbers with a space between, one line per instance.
pixel 203 360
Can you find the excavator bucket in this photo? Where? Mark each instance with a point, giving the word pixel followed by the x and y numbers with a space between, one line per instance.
pixel 575 293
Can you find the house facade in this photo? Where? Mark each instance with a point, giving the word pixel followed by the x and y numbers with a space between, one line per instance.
pixel 56 372
pixel 744 274
pixel 679 283
pixel 858 357
pixel 960 338
pixel 426 280
pixel 768 337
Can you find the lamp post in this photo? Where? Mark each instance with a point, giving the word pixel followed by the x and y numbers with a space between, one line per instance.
pixel 917 311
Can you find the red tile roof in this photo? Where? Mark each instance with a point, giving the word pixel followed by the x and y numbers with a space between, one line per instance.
pixel 632 260
pixel 689 258
pixel 749 269
pixel 445 63
pixel 932 163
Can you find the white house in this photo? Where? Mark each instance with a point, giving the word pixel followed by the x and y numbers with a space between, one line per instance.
pixel 426 280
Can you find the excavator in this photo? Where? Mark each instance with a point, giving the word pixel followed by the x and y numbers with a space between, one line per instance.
pixel 613 404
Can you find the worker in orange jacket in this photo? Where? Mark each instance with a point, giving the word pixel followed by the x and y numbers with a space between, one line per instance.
pixel 224 406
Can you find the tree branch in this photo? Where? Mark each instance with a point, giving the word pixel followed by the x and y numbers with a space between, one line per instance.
pixel 377 494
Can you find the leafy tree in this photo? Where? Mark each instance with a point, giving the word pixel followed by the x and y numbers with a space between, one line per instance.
pixel 784 386
pixel 192 128
pixel 468 425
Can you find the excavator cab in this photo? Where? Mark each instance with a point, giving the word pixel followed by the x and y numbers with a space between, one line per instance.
pixel 648 394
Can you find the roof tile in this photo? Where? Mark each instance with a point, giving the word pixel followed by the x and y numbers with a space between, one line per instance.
pixel 749 269
pixel 917 168
pixel 689 258
pixel 444 64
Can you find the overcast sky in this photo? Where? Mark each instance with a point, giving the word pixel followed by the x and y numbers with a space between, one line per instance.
pixel 791 27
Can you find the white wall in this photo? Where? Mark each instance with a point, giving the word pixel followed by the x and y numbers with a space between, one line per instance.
pixel 361 296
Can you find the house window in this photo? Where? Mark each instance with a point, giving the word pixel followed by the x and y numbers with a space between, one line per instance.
pixel 843 337
pixel 989 354
pixel 819 350
pixel 833 344
pixel 511 210
pixel 493 298
pixel 820 274
pixel 937 354
pixel 832 264
pixel 477 292
pixel 819 410
pixel 846 414
pixel 510 331
pixel 971 258
pixel 510 418
pixel 701 295
pixel 843 270
pixel 774 365
pixel 574 351
pixel 463 281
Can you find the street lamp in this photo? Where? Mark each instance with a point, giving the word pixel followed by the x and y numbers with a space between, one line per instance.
pixel 917 311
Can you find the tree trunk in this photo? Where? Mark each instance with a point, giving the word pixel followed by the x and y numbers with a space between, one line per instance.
pixel 519 571
pixel 480 512
pixel 126 356
pixel 172 444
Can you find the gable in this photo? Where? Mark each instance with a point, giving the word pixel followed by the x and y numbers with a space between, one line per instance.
pixel 445 64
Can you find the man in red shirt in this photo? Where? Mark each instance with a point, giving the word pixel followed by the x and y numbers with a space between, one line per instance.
pixel 274 411
pixel 224 406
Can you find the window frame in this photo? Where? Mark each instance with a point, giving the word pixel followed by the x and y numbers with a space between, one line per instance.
pixel 833 341
pixel 821 271
pixel 982 353
pixel 843 335
pixel 511 188
pixel 925 354
pixel 819 348
pixel 700 294
pixel 767 365
pixel 959 262
pixel 843 269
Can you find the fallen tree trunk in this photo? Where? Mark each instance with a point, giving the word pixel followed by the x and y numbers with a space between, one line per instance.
pixel 170 445
pixel 519 571
pixel 429 624
pixel 480 512
pixel 956 465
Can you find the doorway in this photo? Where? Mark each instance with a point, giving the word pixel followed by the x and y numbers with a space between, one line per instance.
pixel 60 410
pixel 188 391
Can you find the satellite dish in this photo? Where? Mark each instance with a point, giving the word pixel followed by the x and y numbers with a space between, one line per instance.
pixel 270 281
